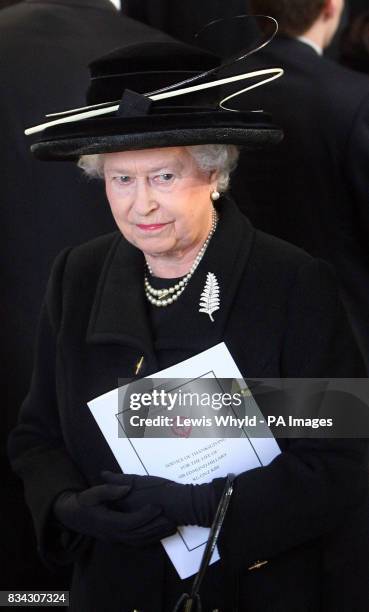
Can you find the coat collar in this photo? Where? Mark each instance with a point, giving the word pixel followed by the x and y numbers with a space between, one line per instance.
pixel 120 312
pixel 291 46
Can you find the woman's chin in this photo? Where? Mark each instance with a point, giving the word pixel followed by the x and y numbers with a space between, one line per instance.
pixel 154 246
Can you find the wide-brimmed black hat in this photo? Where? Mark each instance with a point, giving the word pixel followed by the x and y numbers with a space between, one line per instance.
pixel 149 95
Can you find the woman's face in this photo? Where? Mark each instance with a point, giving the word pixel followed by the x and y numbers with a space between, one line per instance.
pixel 160 199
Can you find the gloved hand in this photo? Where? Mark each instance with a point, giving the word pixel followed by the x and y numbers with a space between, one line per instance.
pixel 87 512
pixel 182 504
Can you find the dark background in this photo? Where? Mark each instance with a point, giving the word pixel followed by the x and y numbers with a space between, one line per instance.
pixel 183 19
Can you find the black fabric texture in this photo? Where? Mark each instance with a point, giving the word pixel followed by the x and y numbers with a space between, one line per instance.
pixel 75 146
pixel 87 512
pixel 280 315
pixel 147 67
pixel 147 57
pixel 182 504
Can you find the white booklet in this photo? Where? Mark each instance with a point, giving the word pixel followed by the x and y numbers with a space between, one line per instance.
pixel 182 453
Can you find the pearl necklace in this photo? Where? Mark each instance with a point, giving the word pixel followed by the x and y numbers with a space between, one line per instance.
pixel 165 297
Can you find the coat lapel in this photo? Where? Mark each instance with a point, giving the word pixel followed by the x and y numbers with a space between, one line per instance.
pixel 120 312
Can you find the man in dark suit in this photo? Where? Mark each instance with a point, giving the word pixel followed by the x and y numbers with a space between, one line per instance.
pixel 45 47
pixel 313 189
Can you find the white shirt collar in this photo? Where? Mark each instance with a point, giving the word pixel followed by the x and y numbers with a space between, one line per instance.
pixel 117 4
pixel 311 44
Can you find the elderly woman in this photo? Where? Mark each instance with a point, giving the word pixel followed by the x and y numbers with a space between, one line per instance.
pixel 127 305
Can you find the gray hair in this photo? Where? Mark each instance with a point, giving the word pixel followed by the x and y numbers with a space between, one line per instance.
pixel 220 157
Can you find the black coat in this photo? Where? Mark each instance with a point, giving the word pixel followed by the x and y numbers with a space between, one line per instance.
pixel 45 47
pixel 313 188
pixel 279 316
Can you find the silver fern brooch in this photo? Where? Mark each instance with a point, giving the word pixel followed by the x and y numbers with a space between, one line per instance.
pixel 209 300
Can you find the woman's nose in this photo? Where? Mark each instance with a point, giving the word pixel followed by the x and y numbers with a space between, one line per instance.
pixel 144 198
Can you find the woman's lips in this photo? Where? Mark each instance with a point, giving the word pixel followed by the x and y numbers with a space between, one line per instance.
pixel 151 227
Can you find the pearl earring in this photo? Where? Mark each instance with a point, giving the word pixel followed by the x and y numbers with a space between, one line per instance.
pixel 215 195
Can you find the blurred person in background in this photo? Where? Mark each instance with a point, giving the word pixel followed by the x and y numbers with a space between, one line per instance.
pixel 312 190
pixel 184 19
pixel 42 209
pixel 355 44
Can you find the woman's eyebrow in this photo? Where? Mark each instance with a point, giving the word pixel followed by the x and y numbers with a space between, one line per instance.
pixel 164 167
pixel 177 165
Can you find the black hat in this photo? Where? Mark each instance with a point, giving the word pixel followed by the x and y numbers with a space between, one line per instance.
pixel 151 95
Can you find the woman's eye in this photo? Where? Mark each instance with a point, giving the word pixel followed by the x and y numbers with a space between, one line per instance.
pixel 166 177
pixel 123 179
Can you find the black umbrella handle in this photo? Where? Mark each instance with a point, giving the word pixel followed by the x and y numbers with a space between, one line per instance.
pixel 214 533
pixel 192 602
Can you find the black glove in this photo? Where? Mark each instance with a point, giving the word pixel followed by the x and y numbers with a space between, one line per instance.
pixel 182 504
pixel 87 512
